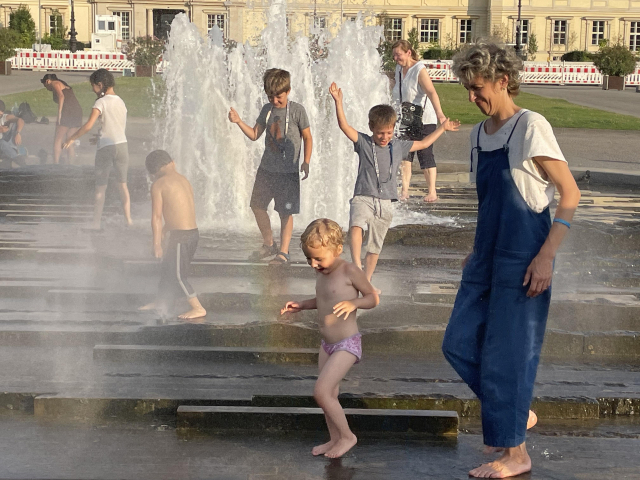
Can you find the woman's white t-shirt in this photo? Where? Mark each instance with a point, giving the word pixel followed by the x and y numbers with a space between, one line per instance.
pixel 113 114
pixel 532 137
pixel 412 92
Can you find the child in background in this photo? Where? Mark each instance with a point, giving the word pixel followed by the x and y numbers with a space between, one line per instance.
pixel 376 187
pixel 287 126
pixel 112 143
pixel 172 200
pixel 338 288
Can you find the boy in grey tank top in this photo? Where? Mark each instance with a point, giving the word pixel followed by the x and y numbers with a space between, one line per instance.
pixel 380 155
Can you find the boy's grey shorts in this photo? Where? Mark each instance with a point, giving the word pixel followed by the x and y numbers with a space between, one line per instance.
pixel 374 213
pixel 112 156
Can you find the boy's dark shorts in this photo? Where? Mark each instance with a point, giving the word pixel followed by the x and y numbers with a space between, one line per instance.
pixel 112 157
pixel 284 188
pixel 425 157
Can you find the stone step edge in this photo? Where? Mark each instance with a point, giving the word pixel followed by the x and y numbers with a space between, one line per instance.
pixel 415 422
pixel 203 353
pixel 87 408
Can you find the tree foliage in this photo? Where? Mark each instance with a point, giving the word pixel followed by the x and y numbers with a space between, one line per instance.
pixel 532 47
pixel 20 20
pixel 9 41
pixel 145 50
pixel 615 60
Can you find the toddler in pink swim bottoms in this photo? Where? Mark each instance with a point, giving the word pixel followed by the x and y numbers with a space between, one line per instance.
pixel 352 344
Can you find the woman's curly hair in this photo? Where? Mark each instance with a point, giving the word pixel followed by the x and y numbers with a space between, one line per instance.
pixel 490 62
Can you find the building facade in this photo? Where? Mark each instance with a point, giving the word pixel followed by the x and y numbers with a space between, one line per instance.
pixel 559 26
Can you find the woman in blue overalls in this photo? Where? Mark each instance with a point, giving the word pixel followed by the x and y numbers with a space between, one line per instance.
pixel 495 333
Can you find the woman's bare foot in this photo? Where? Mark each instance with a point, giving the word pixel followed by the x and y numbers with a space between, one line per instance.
pixel 431 198
pixel 322 449
pixel 341 447
pixel 193 313
pixel 404 196
pixel 128 222
pixel 531 422
pixel 515 461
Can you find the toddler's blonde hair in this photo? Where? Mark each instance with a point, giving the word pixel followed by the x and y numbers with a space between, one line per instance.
pixel 323 232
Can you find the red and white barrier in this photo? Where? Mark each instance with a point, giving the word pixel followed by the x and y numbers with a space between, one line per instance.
pixel 65 60
pixel 566 73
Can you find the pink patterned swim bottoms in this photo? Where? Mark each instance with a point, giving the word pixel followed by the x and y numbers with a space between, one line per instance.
pixel 352 344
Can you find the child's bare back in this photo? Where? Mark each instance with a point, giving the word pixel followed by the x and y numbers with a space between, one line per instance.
pixel 176 195
pixel 332 289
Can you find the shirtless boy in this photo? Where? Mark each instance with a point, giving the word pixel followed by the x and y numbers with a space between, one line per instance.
pixel 338 285
pixel 172 199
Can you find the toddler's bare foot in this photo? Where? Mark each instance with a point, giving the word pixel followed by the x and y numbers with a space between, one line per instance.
pixel 531 422
pixel 431 198
pixel 508 465
pixel 322 449
pixel 341 447
pixel 128 222
pixel 377 290
pixel 193 313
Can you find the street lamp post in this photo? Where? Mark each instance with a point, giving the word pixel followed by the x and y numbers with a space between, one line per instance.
pixel 73 43
pixel 519 31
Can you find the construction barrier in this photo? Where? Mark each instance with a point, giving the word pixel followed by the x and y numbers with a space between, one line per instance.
pixel 565 73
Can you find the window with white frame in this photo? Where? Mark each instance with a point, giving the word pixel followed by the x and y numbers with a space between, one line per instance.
pixel 393 29
pixel 559 32
pixel 634 36
pixel 429 29
pixel 320 23
pixel 466 27
pixel 216 20
pixel 597 32
pixel 125 24
pixel 524 30
pixel 56 22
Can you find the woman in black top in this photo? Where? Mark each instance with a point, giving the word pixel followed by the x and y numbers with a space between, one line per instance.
pixel 69 118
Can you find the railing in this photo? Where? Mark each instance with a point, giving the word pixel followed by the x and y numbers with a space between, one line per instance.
pixel 566 73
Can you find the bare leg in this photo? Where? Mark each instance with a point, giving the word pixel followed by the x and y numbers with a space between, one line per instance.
pixel 264 224
pixel 98 206
pixel 513 462
pixel 197 310
pixel 355 243
pixel 60 136
pixel 286 230
pixel 333 372
pixel 430 176
pixel 370 262
pixel 71 151
pixel 126 203
pixel 333 432
pixel 531 422
pixel 406 180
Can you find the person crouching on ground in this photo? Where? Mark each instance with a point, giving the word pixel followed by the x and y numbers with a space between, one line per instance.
pixel 287 125
pixel 380 155
pixel 338 288
pixel 11 149
pixel 497 325
pixel 172 200
pixel 112 143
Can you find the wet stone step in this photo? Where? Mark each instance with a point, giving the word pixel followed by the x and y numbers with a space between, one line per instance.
pixel 415 423
pixel 154 353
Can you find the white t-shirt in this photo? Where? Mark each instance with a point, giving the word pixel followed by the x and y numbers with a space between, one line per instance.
pixel 113 114
pixel 532 137
pixel 412 92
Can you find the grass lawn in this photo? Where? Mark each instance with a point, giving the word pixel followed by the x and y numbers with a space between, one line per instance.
pixel 559 113
pixel 140 95
pixel 137 94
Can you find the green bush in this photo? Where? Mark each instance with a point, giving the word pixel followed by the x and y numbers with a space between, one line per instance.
pixel 21 21
pixel 577 56
pixel 615 60
pixel 439 53
pixel 145 51
pixel 9 41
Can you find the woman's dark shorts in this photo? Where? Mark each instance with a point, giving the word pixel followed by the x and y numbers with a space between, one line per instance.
pixel 284 188
pixel 425 157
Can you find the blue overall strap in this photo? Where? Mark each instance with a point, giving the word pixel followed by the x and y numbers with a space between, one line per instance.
pixel 477 147
pixel 506 145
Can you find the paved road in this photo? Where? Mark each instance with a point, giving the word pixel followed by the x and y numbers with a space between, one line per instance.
pixel 626 102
